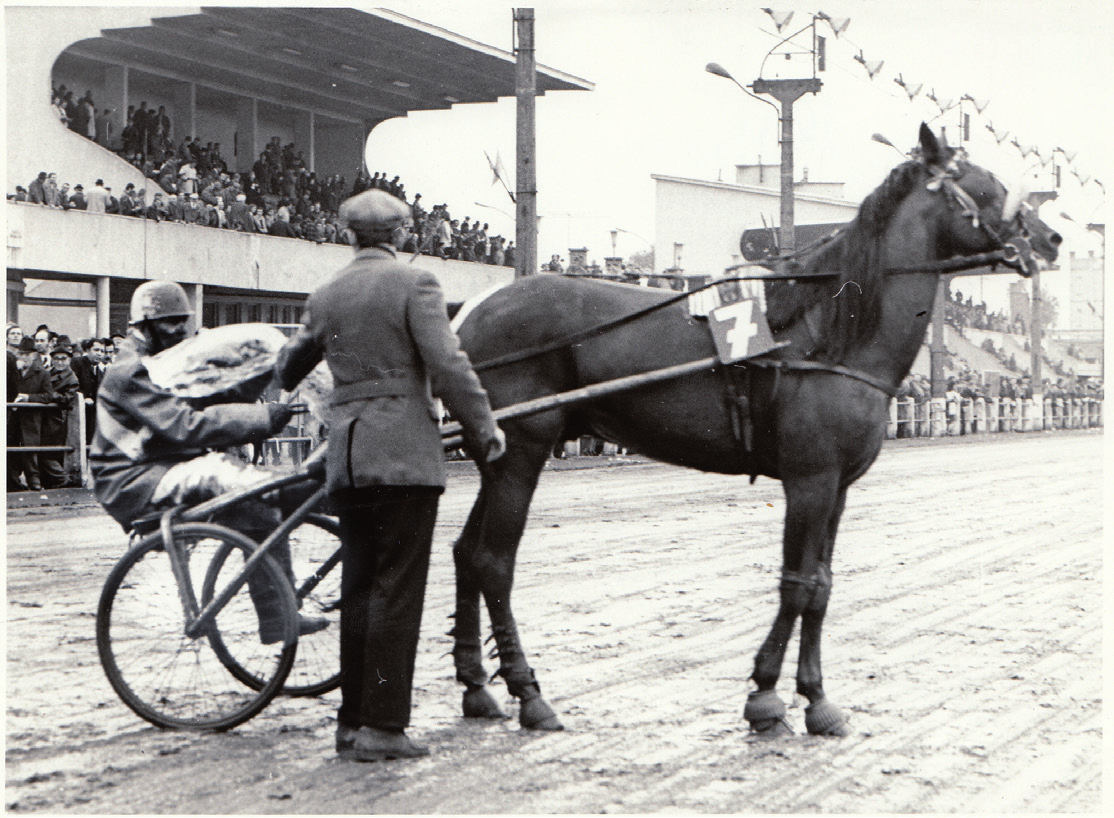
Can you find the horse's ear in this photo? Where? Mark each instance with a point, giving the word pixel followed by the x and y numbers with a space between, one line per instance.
pixel 931 150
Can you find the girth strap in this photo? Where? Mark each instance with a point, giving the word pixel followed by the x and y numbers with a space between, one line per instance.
pixel 821 366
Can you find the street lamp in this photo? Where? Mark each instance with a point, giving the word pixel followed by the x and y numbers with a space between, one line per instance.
pixel 786 92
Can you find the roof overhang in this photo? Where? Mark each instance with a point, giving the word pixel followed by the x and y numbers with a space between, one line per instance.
pixel 344 63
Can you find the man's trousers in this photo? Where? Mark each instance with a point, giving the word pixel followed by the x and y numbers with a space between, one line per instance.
pixel 386 534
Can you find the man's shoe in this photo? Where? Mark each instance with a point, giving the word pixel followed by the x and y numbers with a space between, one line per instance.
pixel 271 631
pixel 311 624
pixel 373 744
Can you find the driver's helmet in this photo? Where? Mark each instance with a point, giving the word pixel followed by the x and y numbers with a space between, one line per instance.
pixel 158 299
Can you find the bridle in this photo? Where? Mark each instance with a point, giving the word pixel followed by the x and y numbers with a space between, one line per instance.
pixel 945 178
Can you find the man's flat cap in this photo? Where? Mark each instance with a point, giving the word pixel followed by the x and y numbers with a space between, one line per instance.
pixel 373 210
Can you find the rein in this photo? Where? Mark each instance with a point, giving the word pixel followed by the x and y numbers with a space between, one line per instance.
pixel 945 265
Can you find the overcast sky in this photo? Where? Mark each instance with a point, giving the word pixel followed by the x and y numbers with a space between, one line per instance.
pixel 1044 66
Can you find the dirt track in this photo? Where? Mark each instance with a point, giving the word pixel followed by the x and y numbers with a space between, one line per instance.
pixel 964 637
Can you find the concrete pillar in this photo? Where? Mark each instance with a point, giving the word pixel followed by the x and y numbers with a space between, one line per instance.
pixel 116 97
pixel 247 147
pixel 183 119
pixel 195 293
pixel 312 145
pixel 303 135
pixel 104 303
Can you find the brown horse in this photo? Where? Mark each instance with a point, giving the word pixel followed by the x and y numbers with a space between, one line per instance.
pixel 815 418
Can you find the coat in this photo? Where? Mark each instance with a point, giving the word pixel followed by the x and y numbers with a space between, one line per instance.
pixel 143 430
pixel 34 382
pixel 67 393
pixel 383 329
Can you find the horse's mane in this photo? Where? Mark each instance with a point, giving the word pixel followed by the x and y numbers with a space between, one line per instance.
pixel 851 300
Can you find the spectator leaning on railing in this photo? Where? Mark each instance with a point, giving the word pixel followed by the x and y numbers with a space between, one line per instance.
pixel 32 385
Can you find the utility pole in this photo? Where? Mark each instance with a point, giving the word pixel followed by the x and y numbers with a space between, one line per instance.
pixel 936 351
pixel 526 198
pixel 1036 310
pixel 786 92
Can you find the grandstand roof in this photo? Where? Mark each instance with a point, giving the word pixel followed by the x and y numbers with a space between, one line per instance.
pixel 350 64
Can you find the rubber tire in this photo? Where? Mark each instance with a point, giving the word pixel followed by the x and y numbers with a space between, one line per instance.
pixel 317 669
pixel 126 582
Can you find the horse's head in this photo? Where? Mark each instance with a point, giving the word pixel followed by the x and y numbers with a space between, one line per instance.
pixel 982 215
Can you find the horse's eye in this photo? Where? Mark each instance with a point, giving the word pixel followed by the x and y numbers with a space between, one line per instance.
pixel 983 198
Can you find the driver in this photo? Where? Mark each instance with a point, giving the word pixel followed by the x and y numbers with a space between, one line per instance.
pixel 151 447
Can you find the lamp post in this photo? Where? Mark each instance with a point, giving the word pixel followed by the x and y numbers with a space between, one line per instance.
pixel 786 92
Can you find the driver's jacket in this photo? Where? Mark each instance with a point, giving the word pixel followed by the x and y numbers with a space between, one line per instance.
pixel 143 430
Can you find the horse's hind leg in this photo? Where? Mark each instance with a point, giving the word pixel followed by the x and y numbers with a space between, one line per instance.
pixel 467 646
pixel 811 502
pixel 821 716
pixel 508 486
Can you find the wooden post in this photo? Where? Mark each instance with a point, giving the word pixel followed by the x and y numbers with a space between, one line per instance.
pixel 526 177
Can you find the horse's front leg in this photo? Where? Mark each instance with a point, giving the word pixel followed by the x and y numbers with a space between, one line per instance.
pixel 810 502
pixel 821 716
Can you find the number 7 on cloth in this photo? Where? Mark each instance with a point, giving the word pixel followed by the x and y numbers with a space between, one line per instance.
pixel 740 331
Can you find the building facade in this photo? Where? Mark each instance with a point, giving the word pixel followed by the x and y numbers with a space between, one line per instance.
pixel 699 224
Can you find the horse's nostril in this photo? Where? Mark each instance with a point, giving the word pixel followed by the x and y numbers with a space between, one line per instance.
pixel 1055 239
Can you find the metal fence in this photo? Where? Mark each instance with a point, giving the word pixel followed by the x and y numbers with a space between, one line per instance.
pixel 75 462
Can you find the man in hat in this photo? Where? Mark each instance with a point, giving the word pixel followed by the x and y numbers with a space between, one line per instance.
pixel 32 385
pixel 64 384
pixel 382 327
pixel 77 199
pixel 239 215
pixel 150 448
pixel 36 191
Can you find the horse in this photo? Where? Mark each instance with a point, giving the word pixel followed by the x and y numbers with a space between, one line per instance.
pixel 814 412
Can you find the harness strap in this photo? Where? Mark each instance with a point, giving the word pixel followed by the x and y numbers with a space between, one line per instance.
pixel 821 366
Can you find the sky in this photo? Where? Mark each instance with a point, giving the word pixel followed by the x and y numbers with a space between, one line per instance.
pixel 1044 67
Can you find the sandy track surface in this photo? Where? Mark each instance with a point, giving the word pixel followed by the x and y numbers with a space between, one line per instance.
pixel 964 638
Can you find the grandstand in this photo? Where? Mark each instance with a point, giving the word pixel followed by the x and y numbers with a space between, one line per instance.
pixel 320 78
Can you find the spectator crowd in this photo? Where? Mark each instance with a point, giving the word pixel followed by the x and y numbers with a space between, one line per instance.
pixel 191 183
pixel 54 377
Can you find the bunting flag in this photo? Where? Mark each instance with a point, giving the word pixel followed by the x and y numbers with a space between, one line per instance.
pixel 499 172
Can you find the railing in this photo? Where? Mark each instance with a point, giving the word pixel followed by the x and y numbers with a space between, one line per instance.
pixel 909 417
pixel 75 464
pixel 942 417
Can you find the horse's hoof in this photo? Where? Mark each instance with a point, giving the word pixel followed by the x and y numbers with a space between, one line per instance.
pixel 765 712
pixel 535 714
pixel 479 704
pixel 823 718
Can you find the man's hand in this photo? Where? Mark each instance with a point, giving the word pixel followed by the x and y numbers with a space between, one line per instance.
pixel 280 413
pixel 497 446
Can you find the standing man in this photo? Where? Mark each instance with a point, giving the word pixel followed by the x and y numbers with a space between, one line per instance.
pixel 64 385
pixel 32 385
pixel 383 328
pixel 97 198
pixel 89 367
